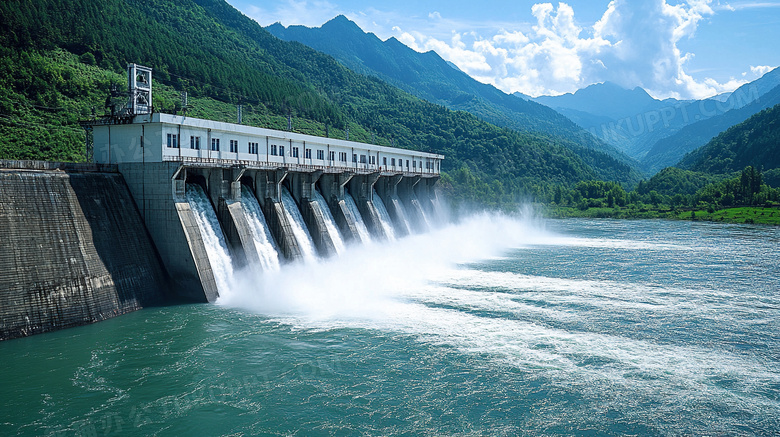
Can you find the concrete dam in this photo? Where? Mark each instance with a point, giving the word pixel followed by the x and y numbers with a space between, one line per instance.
pixel 74 248
pixel 166 210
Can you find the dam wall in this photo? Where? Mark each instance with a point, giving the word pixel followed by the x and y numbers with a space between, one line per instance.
pixel 159 191
pixel 74 248
pixel 171 205
pixel 82 243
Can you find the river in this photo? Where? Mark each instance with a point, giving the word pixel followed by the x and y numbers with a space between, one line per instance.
pixel 493 326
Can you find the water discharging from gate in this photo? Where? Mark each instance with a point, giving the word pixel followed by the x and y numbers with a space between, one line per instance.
pixel 298 226
pixel 402 216
pixel 384 217
pixel 330 223
pixel 264 242
pixel 213 238
pixel 365 236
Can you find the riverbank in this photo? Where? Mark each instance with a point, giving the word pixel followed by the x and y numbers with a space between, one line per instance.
pixel 750 215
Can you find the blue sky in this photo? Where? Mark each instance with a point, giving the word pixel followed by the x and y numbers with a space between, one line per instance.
pixel 682 49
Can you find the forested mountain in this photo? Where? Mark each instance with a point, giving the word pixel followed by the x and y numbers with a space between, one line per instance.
pixel 428 76
pixel 642 126
pixel 59 56
pixel 671 149
pixel 754 142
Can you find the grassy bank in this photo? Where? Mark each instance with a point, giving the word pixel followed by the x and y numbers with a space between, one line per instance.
pixel 751 215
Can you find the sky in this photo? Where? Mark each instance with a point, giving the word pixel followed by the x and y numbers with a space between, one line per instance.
pixel 680 49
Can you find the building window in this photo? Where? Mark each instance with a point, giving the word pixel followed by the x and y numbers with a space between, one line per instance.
pixel 253 148
pixel 307 153
pixel 372 160
pixel 414 164
pixel 273 149
pixel 233 146
pixel 354 157
pixel 362 159
pixel 332 156
pixel 343 156
pixel 407 164
pixel 195 142
pixel 392 162
pixel 320 154
pixel 281 150
pixel 384 161
pixel 295 152
pixel 173 141
pixel 215 144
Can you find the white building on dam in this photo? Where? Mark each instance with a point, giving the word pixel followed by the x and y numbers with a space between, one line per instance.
pixel 163 156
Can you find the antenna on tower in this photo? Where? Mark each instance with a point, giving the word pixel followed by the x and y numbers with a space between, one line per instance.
pixel 139 84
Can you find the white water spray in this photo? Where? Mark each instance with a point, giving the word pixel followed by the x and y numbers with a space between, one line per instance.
pixel 330 223
pixel 302 235
pixel 213 238
pixel 362 229
pixel 261 234
pixel 368 280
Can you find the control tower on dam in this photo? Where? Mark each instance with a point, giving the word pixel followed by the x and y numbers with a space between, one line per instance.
pixel 166 158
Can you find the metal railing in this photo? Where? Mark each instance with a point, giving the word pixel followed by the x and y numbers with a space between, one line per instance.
pixel 305 168
pixel 78 167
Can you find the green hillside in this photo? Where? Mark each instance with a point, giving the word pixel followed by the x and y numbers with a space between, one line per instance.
pixel 754 142
pixel 429 77
pixel 671 149
pixel 62 55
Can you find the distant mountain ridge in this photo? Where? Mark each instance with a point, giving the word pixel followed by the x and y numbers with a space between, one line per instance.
pixel 646 128
pixel 691 137
pixel 607 100
pixel 428 76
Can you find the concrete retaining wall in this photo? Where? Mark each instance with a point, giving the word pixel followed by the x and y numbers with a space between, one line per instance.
pixel 159 192
pixel 73 251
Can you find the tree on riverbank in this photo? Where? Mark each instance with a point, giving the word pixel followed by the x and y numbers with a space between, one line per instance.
pixel 745 189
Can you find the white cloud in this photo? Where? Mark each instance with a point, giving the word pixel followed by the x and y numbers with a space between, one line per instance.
pixel 632 44
pixel 760 70
pixel 736 6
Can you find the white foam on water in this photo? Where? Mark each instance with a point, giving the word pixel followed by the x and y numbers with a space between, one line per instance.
pixel 610 243
pixel 422 286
